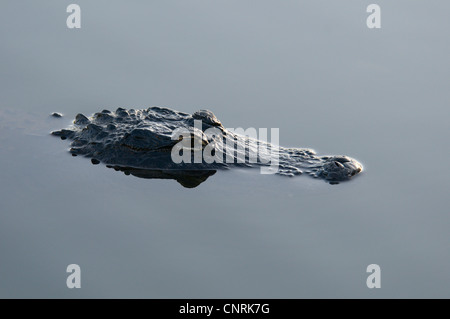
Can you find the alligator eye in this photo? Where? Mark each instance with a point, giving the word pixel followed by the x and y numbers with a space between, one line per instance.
pixel 342 159
pixel 338 164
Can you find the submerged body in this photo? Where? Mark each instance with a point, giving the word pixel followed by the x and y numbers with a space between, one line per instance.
pixel 136 140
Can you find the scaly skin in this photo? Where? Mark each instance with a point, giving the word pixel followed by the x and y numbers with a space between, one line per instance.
pixel 141 140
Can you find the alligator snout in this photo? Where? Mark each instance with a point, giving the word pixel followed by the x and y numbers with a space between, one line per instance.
pixel 340 168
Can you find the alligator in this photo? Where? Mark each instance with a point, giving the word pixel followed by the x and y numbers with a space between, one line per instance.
pixel 142 143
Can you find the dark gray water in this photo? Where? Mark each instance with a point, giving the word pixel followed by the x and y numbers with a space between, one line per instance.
pixel 312 69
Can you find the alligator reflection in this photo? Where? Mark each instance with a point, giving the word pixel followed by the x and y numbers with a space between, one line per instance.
pixel 187 178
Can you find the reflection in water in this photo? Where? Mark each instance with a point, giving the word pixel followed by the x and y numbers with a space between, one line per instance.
pixel 187 178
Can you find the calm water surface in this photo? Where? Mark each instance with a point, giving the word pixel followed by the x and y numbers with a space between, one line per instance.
pixel 313 70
